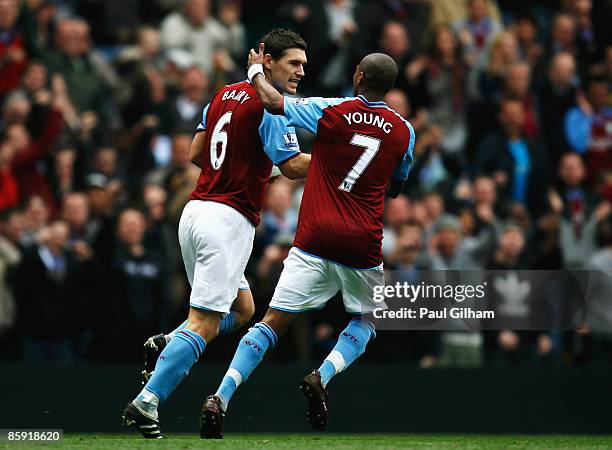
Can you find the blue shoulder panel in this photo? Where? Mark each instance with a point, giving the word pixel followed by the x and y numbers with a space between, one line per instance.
pixel 306 112
pixel 401 171
pixel 202 124
pixel 279 139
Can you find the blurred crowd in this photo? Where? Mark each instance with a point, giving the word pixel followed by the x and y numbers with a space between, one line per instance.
pixel 512 107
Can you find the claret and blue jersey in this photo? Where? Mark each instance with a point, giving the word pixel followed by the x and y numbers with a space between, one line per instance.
pixel 242 142
pixel 359 146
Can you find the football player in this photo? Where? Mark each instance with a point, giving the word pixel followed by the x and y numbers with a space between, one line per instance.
pixel 362 150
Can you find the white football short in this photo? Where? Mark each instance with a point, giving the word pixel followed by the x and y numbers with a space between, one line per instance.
pixel 216 242
pixel 308 282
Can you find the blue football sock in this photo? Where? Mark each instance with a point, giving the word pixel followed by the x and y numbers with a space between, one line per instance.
pixel 228 323
pixel 351 345
pixel 176 330
pixel 174 363
pixel 250 352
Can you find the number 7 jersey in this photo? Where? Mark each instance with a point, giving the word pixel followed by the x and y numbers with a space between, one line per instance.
pixel 241 144
pixel 358 147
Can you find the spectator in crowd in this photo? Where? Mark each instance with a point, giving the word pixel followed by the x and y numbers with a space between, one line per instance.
pixel 452 11
pixel 397 212
pixel 209 41
pixel 162 236
pixel 106 162
pixel 76 213
pixel 13 54
pixel 63 177
pixel 586 47
pixel 579 210
pixel 516 164
pixel 562 35
pixel 10 256
pixel 52 287
pixel 186 107
pixel 137 288
pixel 277 217
pixel 484 196
pixel 9 189
pixel 102 207
pixel 557 97
pixel 506 346
pixel 70 59
pixel 371 19
pixel 446 249
pixel 439 82
pixel 588 128
pixel 328 26
pixel 477 30
pixel 599 312
pixel 36 215
pixel 517 84
pixel 172 175
pixel 405 256
pixel 490 72
pixel 395 42
pixel 530 49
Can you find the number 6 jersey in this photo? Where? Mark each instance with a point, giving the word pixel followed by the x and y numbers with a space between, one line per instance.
pixel 359 146
pixel 242 142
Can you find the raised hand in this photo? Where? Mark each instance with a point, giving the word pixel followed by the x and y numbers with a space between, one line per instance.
pixel 256 58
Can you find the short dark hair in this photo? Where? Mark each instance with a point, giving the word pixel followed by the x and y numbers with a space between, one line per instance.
pixel 379 72
pixel 279 40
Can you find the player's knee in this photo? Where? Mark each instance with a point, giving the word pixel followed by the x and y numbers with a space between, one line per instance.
pixel 204 323
pixel 244 308
pixel 278 320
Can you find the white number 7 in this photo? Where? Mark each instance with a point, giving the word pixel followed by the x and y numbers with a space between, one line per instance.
pixel 371 148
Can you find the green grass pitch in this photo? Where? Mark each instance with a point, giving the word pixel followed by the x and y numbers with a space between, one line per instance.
pixel 323 441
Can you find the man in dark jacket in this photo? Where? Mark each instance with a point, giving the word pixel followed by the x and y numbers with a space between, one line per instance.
pixel 517 164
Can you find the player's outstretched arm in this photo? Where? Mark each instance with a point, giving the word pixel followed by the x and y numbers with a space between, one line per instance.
pixel 195 151
pixel 296 167
pixel 269 96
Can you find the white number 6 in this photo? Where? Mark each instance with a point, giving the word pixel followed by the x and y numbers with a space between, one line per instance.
pixel 219 137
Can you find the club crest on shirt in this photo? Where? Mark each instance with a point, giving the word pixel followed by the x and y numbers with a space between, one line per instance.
pixel 290 140
pixel 301 101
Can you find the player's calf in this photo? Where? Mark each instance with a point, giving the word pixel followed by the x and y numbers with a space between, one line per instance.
pixel 351 345
pixel 242 311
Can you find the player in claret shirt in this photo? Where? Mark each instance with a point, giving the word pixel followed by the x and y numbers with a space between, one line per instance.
pixel 235 145
pixel 362 150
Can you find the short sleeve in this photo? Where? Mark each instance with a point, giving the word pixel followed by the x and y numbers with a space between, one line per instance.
pixel 306 112
pixel 279 140
pixel 402 169
pixel 202 124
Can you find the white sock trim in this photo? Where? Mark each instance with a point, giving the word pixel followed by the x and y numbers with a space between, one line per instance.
pixel 235 375
pixel 149 397
pixel 337 360
pixel 151 415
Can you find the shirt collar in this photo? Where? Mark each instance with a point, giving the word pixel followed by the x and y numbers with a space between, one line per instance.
pixel 363 99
